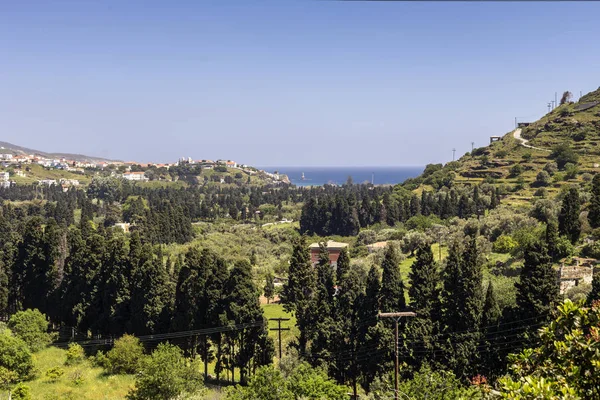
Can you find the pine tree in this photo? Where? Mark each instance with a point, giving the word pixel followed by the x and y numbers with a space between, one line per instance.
pixel 568 219
pixel 392 287
pixel 594 209
pixel 342 266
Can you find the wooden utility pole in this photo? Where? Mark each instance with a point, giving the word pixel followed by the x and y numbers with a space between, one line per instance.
pixel 397 316
pixel 279 329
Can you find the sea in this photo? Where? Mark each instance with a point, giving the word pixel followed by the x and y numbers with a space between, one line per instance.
pixel 318 176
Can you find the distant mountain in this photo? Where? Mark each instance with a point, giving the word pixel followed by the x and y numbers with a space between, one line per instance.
pixel 6 147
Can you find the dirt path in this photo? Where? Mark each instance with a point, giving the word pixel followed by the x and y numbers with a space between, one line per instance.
pixel 523 142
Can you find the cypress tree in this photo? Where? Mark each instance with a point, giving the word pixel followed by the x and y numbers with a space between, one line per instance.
pixel 594 213
pixel 322 310
pixel 367 321
pixel 491 309
pixel 594 294
pixel 537 289
pixel 552 239
pixel 298 292
pixel 568 219
pixel 342 266
pixel 492 360
pixel 424 278
pixel 392 287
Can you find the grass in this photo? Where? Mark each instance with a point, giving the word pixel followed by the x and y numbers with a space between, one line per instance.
pixel 95 384
pixel 277 311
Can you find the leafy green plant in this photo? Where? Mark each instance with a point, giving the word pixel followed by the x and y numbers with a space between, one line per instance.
pixel 75 354
pixel 54 374
pixel 126 355
pixel 32 327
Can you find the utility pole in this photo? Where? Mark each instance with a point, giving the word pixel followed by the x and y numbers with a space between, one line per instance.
pixel 397 316
pixel 453 152
pixel 472 146
pixel 555 97
pixel 279 329
pixel 516 123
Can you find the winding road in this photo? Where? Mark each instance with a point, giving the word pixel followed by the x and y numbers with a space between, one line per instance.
pixel 523 142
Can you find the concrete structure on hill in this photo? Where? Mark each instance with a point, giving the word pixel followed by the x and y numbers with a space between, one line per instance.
pixel 574 275
pixel 334 249
pixel 135 176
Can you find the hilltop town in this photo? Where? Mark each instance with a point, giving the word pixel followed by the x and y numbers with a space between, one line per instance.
pixel 17 168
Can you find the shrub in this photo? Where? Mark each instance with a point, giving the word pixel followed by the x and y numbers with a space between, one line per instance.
pixel 551 168
pixel 166 374
pixel 100 360
pixel 543 178
pixel 75 354
pixel 527 156
pixel 504 244
pixel 54 374
pixel 125 356
pixel 541 192
pixel 516 170
pixel 15 355
pixel 587 177
pixel 21 392
pixel 77 377
pixel 501 153
pixel 32 327
pixel 564 154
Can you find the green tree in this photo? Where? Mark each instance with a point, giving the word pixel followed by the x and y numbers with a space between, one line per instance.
pixel 15 356
pixel 568 219
pixel 594 294
pixel 269 289
pixel 552 239
pixel 594 209
pixel 537 289
pixel 126 355
pixel 166 374
pixel 32 327
pixel 266 384
pixel 392 287
pixel 565 364
pixel 298 292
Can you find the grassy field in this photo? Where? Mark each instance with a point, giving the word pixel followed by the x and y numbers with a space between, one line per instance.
pixel 94 383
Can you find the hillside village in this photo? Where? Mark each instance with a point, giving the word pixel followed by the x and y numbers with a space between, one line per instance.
pixel 16 167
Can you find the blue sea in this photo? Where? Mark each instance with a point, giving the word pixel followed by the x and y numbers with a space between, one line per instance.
pixel 316 176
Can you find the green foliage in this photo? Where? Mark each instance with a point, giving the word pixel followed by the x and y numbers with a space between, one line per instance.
pixel 516 170
pixel 54 374
pixel 594 213
pixel 303 383
pixel 166 374
pixel 75 354
pixel 566 362
pixel 32 327
pixel 21 392
pixel 15 356
pixel 436 384
pixel 392 288
pixel 543 178
pixel 269 288
pixel 504 244
pixel 594 294
pixel 125 356
pixel 564 154
pixel 568 218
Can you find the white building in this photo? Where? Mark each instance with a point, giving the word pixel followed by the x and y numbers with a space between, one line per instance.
pixel 135 176
pixel 47 182
pixel 6 156
pixel 4 176
pixel 5 184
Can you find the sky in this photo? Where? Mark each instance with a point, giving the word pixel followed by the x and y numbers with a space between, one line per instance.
pixel 285 82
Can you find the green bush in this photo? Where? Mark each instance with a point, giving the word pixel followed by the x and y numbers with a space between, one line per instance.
pixel 21 392
pixel 32 327
pixel 77 377
pixel 75 354
pixel 125 356
pixel 101 360
pixel 15 355
pixel 54 374
pixel 504 244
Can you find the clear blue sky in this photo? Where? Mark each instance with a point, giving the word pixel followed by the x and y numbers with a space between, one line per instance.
pixel 285 82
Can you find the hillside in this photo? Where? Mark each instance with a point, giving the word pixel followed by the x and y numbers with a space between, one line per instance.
pixel 6 147
pixel 514 162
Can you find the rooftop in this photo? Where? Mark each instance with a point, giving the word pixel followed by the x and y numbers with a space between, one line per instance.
pixel 331 245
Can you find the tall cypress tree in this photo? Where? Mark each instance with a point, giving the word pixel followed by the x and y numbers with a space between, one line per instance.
pixel 568 219
pixel 322 310
pixel 298 292
pixel 552 239
pixel 342 266
pixel 594 294
pixel 392 287
pixel 594 213
pixel 537 289
pixel 424 278
pixel 367 324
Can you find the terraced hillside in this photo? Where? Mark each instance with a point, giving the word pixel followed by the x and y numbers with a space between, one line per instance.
pixel 565 143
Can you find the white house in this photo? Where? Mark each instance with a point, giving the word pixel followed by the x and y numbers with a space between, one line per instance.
pixel 135 176
pixel 6 156
pixel 47 182
pixel 4 176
